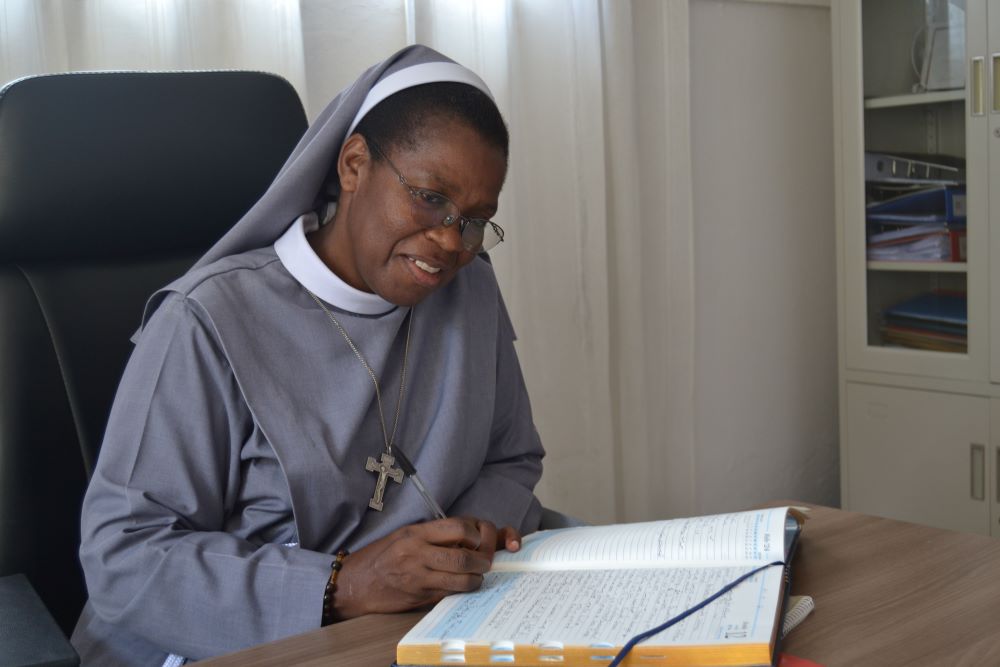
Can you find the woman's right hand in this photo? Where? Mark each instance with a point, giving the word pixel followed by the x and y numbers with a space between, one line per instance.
pixel 414 566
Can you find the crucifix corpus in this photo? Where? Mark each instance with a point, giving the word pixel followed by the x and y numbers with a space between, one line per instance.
pixel 385 471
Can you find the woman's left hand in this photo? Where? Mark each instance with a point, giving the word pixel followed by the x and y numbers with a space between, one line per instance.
pixel 493 539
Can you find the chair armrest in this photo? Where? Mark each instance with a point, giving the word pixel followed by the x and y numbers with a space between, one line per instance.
pixel 29 636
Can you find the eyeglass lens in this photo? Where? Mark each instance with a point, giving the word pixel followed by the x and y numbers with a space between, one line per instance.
pixel 432 209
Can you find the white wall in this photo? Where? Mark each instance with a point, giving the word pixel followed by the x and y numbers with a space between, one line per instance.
pixel 765 295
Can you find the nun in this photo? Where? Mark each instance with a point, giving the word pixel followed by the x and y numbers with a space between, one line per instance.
pixel 325 417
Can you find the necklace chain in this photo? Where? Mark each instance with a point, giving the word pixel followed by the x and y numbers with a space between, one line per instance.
pixel 389 438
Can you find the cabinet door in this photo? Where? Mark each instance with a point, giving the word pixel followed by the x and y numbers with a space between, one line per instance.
pixel 918 456
pixel 905 311
pixel 989 88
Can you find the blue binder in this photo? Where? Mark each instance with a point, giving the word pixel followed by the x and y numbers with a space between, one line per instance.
pixel 947 310
pixel 941 204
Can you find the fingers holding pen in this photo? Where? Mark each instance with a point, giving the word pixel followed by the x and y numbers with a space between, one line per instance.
pixel 456 532
pixel 448 546
pixel 456 560
pixel 478 534
pixel 412 566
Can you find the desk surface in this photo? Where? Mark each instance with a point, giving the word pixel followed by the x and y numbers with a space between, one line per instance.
pixel 887 593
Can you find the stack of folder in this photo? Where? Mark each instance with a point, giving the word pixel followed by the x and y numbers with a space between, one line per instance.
pixel 933 321
pixel 921 224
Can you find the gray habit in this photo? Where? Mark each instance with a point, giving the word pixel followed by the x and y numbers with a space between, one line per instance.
pixel 243 423
pixel 233 464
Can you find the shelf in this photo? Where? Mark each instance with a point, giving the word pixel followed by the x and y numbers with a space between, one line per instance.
pixel 916 99
pixel 926 267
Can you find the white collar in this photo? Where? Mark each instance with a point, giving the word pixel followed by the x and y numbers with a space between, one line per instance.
pixel 304 264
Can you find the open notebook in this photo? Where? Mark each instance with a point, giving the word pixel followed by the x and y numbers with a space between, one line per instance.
pixel 575 596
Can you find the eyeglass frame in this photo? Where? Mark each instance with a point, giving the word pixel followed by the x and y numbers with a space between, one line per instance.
pixel 449 220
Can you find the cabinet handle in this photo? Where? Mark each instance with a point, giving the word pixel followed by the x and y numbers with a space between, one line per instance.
pixel 996 480
pixel 977 470
pixel 976 77
pixel 995 82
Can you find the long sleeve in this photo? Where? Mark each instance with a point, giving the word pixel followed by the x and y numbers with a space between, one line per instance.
pixel 503 492
pixel 159 551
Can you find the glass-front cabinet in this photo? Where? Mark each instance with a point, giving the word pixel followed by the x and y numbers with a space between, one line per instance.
pixel 918 247
pixel 916 239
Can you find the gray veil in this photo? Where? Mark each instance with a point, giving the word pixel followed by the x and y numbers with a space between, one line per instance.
pixel 297 186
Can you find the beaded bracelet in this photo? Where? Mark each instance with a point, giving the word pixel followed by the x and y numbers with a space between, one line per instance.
pixel 331 585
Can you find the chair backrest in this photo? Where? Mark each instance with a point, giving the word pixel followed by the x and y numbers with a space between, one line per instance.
pixel 111 185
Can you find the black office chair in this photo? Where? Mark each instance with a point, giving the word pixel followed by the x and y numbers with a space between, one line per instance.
pixel 111 185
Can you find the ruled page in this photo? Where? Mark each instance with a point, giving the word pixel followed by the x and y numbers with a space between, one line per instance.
pixel 740 538
pixel 587 608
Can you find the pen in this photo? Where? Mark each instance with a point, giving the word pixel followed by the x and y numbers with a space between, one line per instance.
pixel 411 472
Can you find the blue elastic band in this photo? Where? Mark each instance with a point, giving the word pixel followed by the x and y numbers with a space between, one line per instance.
pixel 680 617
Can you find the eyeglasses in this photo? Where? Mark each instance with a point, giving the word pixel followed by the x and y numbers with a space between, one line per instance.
pixel 431 209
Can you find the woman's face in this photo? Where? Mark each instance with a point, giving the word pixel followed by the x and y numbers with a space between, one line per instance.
pixel 379 246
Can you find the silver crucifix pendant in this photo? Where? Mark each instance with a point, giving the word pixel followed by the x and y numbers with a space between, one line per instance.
pixel 385 471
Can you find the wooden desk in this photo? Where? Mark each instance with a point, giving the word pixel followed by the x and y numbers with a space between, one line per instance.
pixel 887 593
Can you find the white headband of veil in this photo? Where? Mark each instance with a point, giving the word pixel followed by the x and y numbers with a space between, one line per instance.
pixel 298 183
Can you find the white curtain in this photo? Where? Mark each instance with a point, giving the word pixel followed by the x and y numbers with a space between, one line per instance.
pixel 41 36
pixel 597 268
